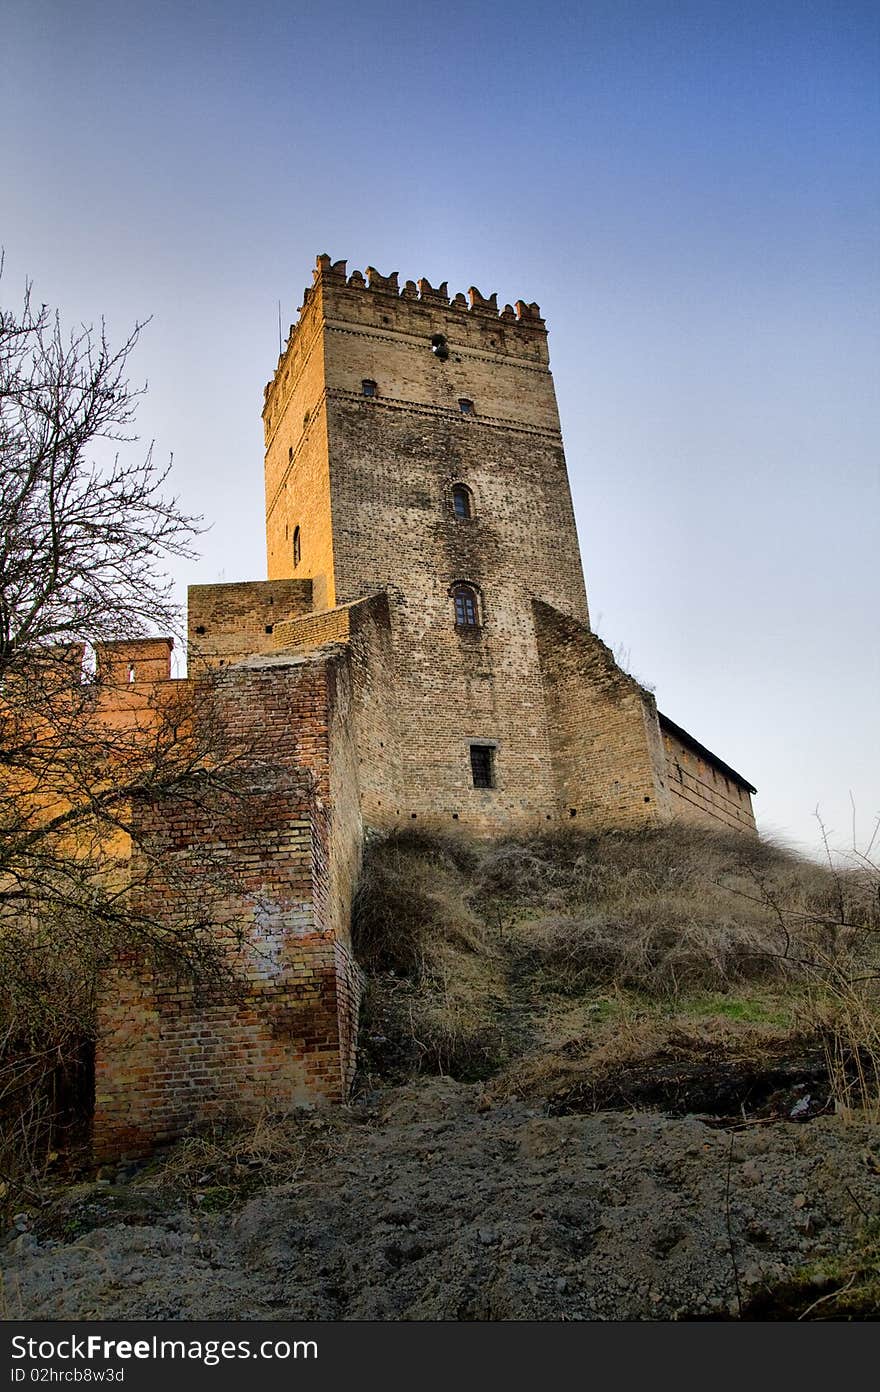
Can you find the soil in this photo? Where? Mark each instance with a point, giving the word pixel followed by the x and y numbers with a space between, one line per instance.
pixel 430 1200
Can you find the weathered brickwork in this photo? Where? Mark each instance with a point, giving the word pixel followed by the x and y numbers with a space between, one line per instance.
pixel 605 736
pixel 169 1055
pixel 701 786
pixel 227 623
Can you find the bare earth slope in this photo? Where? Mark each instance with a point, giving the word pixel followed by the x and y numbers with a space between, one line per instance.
pixel 431 1204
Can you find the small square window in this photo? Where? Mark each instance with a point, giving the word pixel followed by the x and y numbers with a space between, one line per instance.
pixel 483 765
pixel 465 406
pixel 368 387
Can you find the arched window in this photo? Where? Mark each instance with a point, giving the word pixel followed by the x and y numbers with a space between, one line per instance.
pixel 462 503
pixel 467 607
pixel 296 547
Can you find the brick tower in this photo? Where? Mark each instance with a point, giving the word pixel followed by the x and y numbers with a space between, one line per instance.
pixel 413 447
pixel 419 524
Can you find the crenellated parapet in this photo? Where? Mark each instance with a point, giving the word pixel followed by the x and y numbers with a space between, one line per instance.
pixel 373 282
pixel 330 279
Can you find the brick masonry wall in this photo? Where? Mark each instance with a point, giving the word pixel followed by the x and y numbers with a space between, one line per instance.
pixel 702 793
pixel 314 630
pixel 226 623
pixel 297 473
pixel 605 738
pixel 170 1056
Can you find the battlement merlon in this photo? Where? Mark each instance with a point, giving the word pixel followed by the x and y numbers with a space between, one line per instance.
pixel 418 309
pixel 123 661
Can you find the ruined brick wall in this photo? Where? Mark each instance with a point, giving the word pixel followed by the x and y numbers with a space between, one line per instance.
pixel 605 738
pixel 704 791
pixel 289 851
pixel 171 1055
pixel 226 623
pixel 132 661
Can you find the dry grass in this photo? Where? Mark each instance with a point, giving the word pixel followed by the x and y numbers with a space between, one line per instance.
pixel 412 899
pixel 221 1165
pixel 516 954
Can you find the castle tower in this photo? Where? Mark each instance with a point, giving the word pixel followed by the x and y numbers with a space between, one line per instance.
pixel 413 446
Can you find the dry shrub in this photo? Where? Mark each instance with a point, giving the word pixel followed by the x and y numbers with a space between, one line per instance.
pixel 663 913
pixel 46 1064
pixel 845 1008
pixel 432 961
pixel 575 867
pixel 220 1165
pixel 661 945
pixel 453 1038
pixel 675 909
pixel 412 898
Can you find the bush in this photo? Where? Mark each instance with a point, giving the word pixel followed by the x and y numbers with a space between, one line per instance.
pixel 411 899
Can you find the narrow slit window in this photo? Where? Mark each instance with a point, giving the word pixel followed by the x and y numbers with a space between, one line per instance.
pixel 461 501
pixel 467 613
pixel 297 548
pixel 483 765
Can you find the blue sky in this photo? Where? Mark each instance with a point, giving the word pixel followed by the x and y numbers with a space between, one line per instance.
pixel 689 190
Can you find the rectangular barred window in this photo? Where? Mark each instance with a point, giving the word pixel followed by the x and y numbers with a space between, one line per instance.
pixel 482 765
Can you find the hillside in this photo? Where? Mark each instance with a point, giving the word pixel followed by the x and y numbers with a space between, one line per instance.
pixel 604 1078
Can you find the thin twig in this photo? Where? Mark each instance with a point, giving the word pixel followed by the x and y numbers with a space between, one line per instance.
pixel 830 1295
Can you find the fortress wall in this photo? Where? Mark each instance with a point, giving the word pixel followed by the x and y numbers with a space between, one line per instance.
pixel 127 661
pixel 226 623
pixel 605 741
pixel 314 630
pixel 287 851
pixel 376 711
pixel 702 792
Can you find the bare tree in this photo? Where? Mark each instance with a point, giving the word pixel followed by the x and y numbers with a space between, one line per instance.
pixel 83 547
pixel 85 532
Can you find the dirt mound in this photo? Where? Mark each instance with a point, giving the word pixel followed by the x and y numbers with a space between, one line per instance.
pixel 429 1202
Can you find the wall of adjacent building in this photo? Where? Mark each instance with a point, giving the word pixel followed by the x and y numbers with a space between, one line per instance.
pixel 703 793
